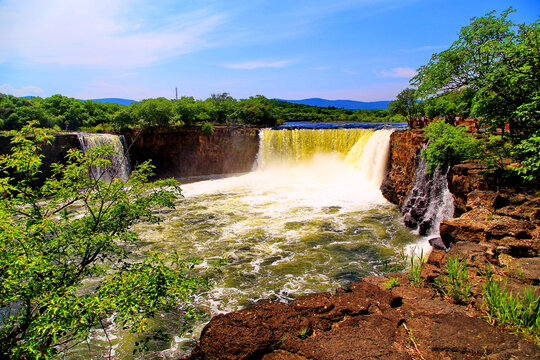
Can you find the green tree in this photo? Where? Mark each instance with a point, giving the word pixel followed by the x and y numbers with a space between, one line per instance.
pixel 500 62
pixel 405 103
pixel 187 110
pixel 156 112
pixel 255 110
pixel 72 228
pixel 221 106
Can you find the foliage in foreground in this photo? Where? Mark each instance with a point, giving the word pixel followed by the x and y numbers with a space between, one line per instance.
pixel 72 228
pixel 519 313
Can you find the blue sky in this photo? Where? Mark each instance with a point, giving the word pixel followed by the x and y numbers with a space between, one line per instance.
pixel 363 50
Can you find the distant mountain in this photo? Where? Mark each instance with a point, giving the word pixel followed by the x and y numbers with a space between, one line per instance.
pixel 346 104
pixel 115 100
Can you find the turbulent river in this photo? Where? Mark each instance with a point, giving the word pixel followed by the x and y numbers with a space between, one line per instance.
pixel 310 217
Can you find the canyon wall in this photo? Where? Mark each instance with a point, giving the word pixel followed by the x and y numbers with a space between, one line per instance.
pixel 184 153
pixel 180 153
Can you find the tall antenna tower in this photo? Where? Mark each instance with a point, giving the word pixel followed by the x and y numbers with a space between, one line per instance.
pixel 176 93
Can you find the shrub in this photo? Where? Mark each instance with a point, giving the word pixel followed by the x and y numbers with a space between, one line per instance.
pixel 207 128
pixel 449 145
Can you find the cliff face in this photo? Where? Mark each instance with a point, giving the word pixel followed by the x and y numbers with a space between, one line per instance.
pixel 404 149
pixel 183 153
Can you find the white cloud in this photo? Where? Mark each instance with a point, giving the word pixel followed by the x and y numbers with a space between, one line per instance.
pixel 99 32
pixel 22 91
pixel 258 64
pixel 399 72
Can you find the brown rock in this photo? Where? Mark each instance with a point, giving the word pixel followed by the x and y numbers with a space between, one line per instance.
pixel 283 355
pixel 404 149
pixel 485 199
pixel 502 226
pixel 366 323
pixel 185 152
pixel 437 258
pixel 464 178
pixel 462 229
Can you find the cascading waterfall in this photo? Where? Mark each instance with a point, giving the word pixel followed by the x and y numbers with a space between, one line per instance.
pixel 429 202
pixel 364 150
pixel 120 164
pixel 309 218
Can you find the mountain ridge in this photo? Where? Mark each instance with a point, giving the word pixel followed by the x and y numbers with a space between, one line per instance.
pixel 346 104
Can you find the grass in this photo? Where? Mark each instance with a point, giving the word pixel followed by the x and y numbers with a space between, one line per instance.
pixel 391 283
pixel 415 268
pixel 519 313
pixel 456 284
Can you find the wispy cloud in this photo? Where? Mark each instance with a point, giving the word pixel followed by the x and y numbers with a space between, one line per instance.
pixel 22 91
pixel 258 64
pixel 100 32
pixel 398 72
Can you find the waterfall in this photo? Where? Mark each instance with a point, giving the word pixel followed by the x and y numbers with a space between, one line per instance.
pixel 364 150
pixel 429 202
pixel 120 164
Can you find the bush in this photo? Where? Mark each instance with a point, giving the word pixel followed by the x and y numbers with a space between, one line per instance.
pixel 207 128
pixel 449 145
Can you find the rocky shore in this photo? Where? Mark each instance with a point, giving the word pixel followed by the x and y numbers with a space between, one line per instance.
pixel 496 230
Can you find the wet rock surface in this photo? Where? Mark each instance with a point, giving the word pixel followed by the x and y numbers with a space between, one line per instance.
pixel 363 321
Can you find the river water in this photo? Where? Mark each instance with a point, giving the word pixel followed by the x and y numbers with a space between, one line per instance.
pixel 310 217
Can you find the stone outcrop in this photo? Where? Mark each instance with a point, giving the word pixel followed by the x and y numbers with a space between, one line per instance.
pixel 186 152
pixel 404 149
pixel 363 321
pixel 509 221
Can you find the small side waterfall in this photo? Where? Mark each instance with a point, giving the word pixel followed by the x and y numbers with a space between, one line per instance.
pixel 429 201
pixel 120 163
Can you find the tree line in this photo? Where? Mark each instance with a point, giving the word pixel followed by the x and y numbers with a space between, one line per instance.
pixel 64 113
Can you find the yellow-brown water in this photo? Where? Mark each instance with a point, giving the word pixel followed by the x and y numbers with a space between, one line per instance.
pixel 309 218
